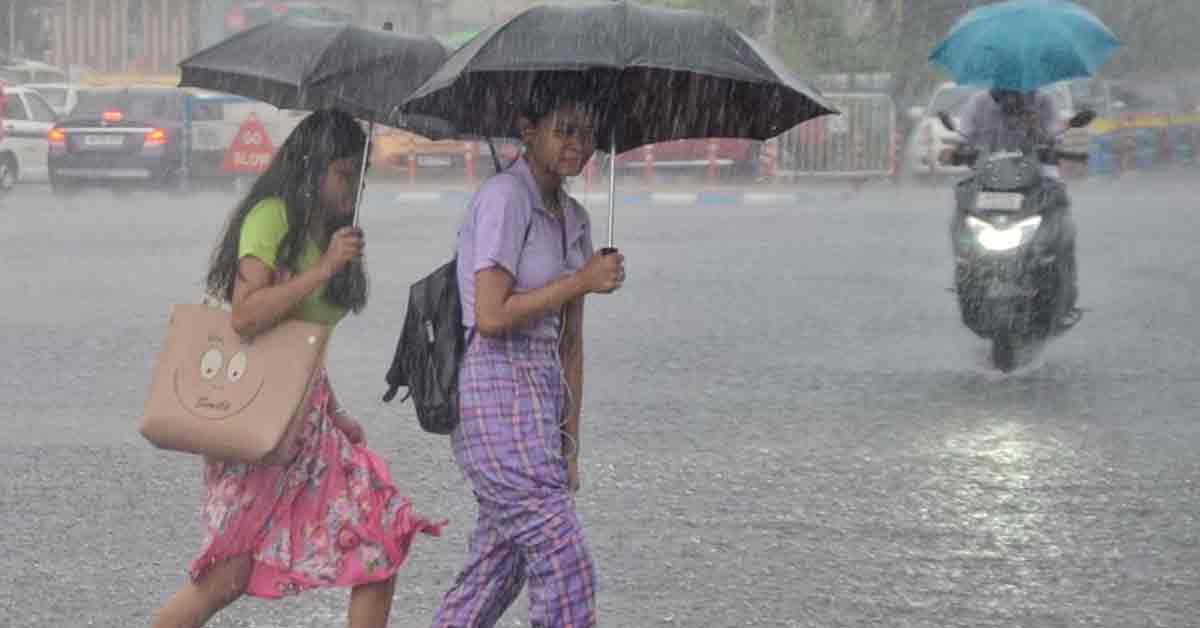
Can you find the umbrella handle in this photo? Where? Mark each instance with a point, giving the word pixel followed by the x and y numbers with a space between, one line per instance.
pixel 612 193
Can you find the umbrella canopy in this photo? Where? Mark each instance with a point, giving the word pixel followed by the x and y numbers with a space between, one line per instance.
pixel 1025 45
pixel 658 74
pixel 297 63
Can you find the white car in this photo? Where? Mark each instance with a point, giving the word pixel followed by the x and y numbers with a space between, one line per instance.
pixel 25 147
pixel 62 97
pixel 930 136
pixel 22 71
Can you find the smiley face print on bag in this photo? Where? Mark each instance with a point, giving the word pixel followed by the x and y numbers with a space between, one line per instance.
pixel 221 380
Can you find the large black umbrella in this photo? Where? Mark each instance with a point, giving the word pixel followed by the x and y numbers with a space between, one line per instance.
pixel 296 63
pixel 659 75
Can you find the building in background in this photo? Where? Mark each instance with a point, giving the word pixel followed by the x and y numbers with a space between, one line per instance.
pixel 150 37
pixel 121 36
pixel 23 32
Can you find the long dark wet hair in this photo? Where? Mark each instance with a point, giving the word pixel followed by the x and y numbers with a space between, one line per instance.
pixel 295 176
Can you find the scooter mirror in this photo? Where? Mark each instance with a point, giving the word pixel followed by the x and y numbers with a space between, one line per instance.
pixel 946 120
pixel 1082 119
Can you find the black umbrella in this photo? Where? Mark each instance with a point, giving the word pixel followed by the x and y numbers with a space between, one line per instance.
pixel 296 63
pixel 659 75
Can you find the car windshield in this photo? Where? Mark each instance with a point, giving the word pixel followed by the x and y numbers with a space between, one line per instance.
pixel 55 96
pixel 133 105
pixel 951 99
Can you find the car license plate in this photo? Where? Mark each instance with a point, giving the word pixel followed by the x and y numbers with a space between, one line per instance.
pixel 1000 201
pixel 103 173
pixel 102 141
pixel 433 161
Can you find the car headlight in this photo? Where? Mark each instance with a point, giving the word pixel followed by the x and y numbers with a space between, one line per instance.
pixel 1007 238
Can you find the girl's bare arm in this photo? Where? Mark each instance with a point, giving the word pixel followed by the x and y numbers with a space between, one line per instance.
pixel 498 308
pixel 258 304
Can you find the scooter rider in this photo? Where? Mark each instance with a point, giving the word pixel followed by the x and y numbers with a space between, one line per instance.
pixel 1005 120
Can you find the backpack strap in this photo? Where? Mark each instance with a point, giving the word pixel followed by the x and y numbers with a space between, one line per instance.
pixel 529 225
pixel 524 241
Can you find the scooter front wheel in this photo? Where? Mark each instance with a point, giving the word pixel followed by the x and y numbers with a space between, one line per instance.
pixel 1004 353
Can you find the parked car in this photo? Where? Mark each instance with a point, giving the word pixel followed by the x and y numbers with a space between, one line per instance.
pixel 930 136
pixel 21 71
pixel 215 122
pixel 402 150
pixel 740 155
pixel 62 97
pixel 121 137
pixel 24 147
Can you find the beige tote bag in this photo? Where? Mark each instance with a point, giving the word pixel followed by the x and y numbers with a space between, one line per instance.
pixel 225 397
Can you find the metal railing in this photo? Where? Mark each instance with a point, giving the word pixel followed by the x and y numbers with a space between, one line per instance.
pixel 859 143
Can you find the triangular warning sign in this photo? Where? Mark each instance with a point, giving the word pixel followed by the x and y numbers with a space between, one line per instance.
pixel 251 150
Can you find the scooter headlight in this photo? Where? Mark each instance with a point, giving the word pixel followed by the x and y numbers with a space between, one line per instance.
pixel 1007 238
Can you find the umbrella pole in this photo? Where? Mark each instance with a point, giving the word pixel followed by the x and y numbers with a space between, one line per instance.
pixel 495 158
pixel 612 193
pixel 362 172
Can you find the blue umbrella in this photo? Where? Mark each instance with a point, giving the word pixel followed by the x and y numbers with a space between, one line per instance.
pixel 1025 44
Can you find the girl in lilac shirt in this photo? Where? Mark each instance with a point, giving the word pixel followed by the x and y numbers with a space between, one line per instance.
pixel 525 262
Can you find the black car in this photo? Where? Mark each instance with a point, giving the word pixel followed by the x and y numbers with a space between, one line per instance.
pixel 121 138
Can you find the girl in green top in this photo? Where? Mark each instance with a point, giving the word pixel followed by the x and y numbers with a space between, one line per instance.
pixel 331 516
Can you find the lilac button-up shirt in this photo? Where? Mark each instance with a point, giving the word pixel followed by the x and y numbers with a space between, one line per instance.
pixel 494 229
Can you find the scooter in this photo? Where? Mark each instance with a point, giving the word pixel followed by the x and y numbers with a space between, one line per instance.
pixel 1009 236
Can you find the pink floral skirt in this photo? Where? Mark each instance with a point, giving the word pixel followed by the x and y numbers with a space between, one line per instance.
pixel 329 518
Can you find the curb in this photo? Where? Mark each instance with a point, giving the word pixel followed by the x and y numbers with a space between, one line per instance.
pixel 456 198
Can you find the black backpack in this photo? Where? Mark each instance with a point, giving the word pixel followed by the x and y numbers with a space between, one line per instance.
pixel 431 348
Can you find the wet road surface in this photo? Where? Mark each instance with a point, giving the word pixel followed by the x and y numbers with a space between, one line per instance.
pixel 785 423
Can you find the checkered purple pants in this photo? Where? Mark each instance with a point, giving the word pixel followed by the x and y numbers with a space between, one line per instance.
pixel 508 444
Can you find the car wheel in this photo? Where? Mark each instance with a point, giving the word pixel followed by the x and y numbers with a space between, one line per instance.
pixel 8 174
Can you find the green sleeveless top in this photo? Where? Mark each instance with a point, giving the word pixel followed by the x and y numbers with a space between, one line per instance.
pixel 262 232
